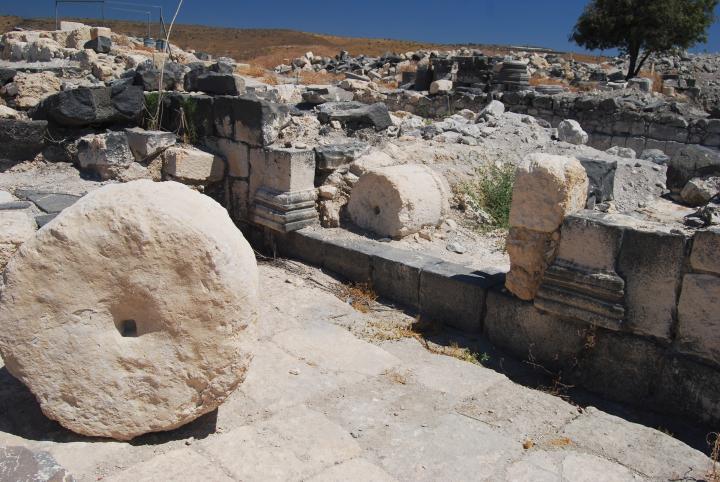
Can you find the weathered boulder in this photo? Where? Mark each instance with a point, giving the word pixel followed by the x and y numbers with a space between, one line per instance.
pixel 356 115
pixel 132 311
pixel 85 106
pixel 21 140
pixel 698 191
pixel 107 155
pixel 27 89
pixel 570 131
pixel 547 188
pixel 494 109
pixel 148 144
pixel 398 201
pixel 689 162
pixel 441 86
pixel 655 155
pixel 624 152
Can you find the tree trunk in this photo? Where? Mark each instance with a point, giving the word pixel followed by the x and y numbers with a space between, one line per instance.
pixel 634 53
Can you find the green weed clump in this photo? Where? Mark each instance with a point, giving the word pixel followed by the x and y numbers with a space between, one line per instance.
pixel 490 190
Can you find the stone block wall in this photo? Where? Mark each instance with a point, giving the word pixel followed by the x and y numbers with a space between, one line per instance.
pixel 629 309
pixel 608 123
pixel 263 183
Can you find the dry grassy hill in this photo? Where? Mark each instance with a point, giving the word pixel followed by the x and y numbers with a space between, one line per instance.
pixel 264 47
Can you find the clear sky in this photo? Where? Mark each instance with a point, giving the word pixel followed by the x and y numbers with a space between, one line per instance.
pixel 545 23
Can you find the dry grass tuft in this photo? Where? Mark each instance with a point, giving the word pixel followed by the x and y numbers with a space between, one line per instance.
pixel 252 71
pixel 359 295
pixel 310 78
pixel 713 475
pixel 396 377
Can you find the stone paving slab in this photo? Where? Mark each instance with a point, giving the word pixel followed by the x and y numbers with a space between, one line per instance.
pixel 323 403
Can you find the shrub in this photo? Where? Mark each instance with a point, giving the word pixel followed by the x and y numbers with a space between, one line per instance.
pixel 490 190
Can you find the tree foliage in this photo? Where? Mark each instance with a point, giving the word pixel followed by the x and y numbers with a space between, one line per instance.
pixel 639 28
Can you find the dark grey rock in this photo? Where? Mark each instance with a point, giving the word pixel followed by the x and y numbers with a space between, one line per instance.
pixel 320 94
pixel 601 177
pixel 148 77
pixel 6 75
pixel 15 205
pixel 223 65
pixel 101 45
pixel 43 219
pixel 21 140
pixel 356 115
pixel 49 202
pixel 250 119
pixel 21 464
pixel 215 83
pixel 85 106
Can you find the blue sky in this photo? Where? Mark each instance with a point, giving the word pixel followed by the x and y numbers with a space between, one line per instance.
pixel 532 22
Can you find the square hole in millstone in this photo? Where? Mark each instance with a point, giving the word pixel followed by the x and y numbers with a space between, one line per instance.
pixel 128 328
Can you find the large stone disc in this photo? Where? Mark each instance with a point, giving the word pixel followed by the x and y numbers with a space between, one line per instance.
pixel 131 312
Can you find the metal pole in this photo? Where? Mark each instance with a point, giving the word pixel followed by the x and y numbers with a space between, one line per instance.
pixel 57 24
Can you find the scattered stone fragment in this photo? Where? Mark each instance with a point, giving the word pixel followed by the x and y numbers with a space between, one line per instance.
pixel 625 152
pixel 570 131
pixel 148 144
pixel 441 87
pixel 105 154
pixel 356 115
pixel 698 191
pixel 99 44
pixel 131 348
pixel 24 465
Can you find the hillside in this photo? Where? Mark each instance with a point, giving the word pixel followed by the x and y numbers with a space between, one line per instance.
pixel 265 47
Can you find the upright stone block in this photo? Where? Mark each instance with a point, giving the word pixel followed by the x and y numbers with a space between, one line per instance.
pixel 699 317
pixel 547 188
pixel 582 283
pixel 192 166
pixel 249 119
pixel 651 263
pixel 282 189
pixel 706 251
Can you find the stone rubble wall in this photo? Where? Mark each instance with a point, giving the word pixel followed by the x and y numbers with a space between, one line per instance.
pixel 606 122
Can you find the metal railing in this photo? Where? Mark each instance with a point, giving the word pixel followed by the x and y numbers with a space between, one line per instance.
pixel 122 6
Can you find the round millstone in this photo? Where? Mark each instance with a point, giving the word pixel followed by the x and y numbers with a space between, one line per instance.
pixel 132 311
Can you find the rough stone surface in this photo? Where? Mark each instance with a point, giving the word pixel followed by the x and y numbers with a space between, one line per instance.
pixel 16 227
pixel 21 464
pixel 399 200
pixel 441 86
pixel 689 162
pixel 158 337
pixel 108 155
pixel 93 105
pixel 698 321
pixel 706 247
pixel 21 140
pixel 148 144
pixel 698 191
pixel 547 188
pixel 356 115
pixel 189 164
pixel 570 131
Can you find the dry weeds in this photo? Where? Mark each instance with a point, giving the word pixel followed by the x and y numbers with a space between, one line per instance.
pixel 310 78
pixel 358 295
pixel 713 440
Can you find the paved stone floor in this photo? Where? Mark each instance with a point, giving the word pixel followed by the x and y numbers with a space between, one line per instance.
pixel 332 397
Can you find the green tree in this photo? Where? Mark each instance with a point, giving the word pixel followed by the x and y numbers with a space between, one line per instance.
pixel 639 28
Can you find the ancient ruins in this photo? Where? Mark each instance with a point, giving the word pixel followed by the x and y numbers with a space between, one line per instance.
pixel 263 280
